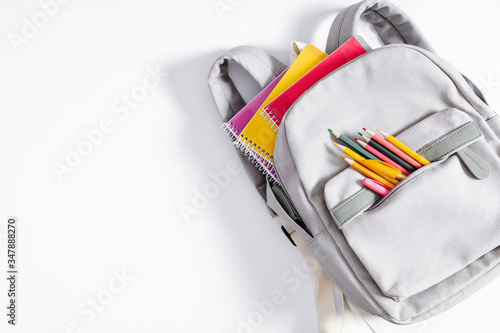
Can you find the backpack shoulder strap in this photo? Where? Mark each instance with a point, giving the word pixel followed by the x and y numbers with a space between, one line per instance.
pixel 328 297
pixel 392 24
pixel 263 68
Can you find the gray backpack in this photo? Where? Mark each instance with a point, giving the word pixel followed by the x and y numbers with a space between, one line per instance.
pixel 433 240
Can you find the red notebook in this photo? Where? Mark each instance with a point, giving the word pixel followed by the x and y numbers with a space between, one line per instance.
pixel 348 51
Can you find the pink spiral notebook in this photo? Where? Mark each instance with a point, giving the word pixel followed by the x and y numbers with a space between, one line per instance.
pixel 236 124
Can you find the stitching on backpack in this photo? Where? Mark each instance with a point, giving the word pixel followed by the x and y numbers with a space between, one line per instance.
pixel 488 271
pixel 462 144
pixel 226 60
pixel 390 23
pixel 448 136
pixel 336 209
pixel 316 237
pixel 368 295
pixel 493 118
pixel 340 27
pixel 362 208
pixel 349 200
pixel 452 134
pixel 463 91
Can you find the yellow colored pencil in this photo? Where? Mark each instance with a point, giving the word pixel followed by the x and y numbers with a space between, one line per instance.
pixel 416 156
pixel 367 172
pixel 385 170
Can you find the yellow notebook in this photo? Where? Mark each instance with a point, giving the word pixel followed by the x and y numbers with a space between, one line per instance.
pixel 259 134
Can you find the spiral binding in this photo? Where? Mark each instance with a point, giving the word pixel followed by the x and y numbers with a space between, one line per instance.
pixel 247 148
pixel 229 129
pixel 256 157
pixel 259 160
pixel 272 119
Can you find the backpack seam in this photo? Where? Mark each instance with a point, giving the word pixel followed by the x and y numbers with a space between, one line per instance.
pixel 462 92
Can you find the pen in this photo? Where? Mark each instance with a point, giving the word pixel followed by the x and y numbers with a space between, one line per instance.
pixel 376 186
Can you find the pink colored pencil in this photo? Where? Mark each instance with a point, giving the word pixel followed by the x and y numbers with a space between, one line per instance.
pixel 393 148
pixel 381 156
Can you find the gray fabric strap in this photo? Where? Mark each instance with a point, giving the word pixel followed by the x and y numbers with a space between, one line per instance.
pixel 353 206
pixel 329 317
pixel 264 68
pixel 456 141
pixel 451 142
pixel 273 203
pixel 392 25
pixel 476 90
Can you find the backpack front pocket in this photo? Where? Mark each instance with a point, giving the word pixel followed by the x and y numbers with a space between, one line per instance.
pixel 435 222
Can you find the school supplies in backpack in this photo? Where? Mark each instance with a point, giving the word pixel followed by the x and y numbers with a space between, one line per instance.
pixel 432 240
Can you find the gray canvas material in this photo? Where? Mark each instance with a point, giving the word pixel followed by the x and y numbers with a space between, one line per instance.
pixel 434 240
pixel 264 68
pixel 351 207
pixel 426 211
pixel 392 25
pixel 414 85
pixel 273 203
pixel 414 92
pixel 439 135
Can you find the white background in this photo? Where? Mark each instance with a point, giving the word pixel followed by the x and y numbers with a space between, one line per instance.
pixel 119 210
